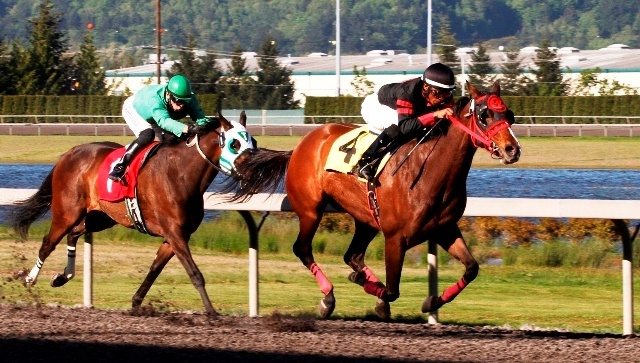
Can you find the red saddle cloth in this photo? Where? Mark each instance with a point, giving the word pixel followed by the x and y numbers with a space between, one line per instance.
pixel 113 191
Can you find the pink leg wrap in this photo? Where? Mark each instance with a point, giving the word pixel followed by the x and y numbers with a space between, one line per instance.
pixel 375 288
pixel 325 284
pixel 369 275
pixel 452 291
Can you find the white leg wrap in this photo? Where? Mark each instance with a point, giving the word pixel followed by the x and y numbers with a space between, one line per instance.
pixel 33 274
pixel 70 270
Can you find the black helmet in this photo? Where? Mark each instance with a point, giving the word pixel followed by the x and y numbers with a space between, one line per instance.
pixel 439 75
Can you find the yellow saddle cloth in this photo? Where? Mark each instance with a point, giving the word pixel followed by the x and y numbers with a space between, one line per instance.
pixel 347 150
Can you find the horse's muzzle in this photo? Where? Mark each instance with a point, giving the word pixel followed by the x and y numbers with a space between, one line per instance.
pixel 510 154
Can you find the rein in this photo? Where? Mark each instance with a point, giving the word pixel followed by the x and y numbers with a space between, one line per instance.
pixel 195 142
pixel 479 137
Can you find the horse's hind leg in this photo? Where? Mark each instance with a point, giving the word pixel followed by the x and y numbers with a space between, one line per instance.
pixel 93 222
pixel 49 243
pixel 60 279
pixel 302 248
pixel 164 254
pixel 452 242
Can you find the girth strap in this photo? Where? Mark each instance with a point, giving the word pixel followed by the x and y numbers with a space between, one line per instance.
pixel 135 214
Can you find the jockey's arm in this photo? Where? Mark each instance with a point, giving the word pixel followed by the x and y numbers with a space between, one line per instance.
pixel 162 119
pixel 196 113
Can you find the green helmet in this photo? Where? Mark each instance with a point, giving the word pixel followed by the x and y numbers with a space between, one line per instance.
pixel 180 87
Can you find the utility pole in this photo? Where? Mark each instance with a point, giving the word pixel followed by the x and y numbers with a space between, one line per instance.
pixel 429 60
pixel 158 43
pixel 337 48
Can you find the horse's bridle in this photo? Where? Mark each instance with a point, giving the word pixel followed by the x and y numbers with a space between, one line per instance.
pixel 194 141
pixel 481 133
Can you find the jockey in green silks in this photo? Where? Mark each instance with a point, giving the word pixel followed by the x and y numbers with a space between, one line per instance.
pixel 156 108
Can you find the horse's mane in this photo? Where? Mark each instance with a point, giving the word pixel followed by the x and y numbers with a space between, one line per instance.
pixel 262 171
pixel 460 104
pixel 213 124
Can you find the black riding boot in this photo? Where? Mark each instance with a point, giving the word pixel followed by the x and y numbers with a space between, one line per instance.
pixel 366 167
pixel 117 173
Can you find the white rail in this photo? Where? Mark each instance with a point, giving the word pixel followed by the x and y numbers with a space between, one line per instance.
pixel 616 210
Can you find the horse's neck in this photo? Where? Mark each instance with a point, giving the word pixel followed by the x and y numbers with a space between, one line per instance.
pixel 452 153
pixel 198 170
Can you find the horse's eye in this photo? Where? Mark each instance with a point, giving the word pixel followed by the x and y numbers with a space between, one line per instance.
pixel 511 118
pixel 234 146
pixel 481 114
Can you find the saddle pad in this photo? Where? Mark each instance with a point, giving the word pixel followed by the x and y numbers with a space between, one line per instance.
pixel 113 191
pixel 355 143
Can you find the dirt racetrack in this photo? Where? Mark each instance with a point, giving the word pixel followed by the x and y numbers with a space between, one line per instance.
pixel 57 334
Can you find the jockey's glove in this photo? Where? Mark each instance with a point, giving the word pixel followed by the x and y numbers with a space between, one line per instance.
pixel 189 130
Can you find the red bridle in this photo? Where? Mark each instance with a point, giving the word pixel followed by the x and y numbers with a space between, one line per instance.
pixel 479 137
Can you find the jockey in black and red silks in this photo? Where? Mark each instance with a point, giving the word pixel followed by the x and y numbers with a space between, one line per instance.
pixel 403 108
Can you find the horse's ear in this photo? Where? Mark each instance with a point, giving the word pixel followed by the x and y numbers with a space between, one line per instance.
pixel 473 91
pixel 496 88
pixel 224 122
pixel 243 119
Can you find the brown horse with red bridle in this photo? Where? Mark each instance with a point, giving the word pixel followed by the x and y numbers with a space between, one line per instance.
pixel 423 200
pixel 169 194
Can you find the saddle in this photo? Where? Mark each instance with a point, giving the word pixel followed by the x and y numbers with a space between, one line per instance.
pixel 111 191
pixel 347 150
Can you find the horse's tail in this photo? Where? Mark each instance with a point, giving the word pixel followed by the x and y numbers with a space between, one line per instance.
pixel 29 210
pixel 261 172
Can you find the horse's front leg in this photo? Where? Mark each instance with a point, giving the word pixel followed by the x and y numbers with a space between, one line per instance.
pixel 451 241
pixel 179 244
pixel 394 258
pixel 164 254
pixel 58 280
pixel 303 250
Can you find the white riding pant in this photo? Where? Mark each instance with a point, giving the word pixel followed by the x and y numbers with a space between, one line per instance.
pixel 135 122
pixel 377 116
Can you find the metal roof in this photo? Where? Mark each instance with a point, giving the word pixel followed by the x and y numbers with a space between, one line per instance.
pixel 608 59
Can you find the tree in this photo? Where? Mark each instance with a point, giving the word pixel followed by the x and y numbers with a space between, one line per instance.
pixel 88 76
pixel 447 45
pixel 203 72
pixel 362 86
pixel 512 82
pixel 275 89
pixel 7 73
pixel 44 70
pixel 481 71
pixel 549 80
pixel 235 87
pixel 591 84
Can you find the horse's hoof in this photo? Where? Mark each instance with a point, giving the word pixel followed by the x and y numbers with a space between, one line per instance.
pixel 327 305
pixel 383 310
pixel 358 278
pixel 58 280
pixel 24 278
pixel 431 304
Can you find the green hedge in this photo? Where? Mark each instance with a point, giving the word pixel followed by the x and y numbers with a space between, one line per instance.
pixel 76 105
pixel 331 106
pixel 530 106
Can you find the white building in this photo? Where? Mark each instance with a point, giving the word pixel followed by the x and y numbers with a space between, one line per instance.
pixel 315 74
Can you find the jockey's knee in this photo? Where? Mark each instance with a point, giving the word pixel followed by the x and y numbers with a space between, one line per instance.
pixel 471 271
pixel 146 136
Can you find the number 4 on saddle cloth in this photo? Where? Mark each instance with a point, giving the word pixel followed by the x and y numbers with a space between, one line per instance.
pixel 347 150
